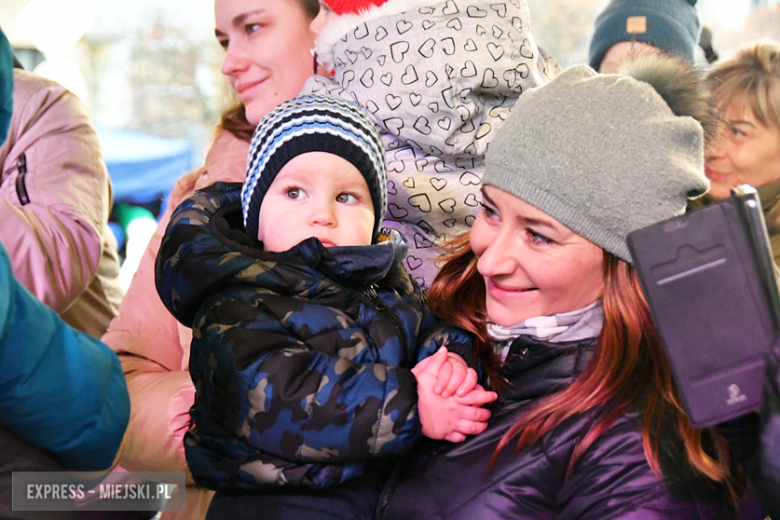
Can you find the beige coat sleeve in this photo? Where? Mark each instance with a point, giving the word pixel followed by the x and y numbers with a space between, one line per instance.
pixel 154 347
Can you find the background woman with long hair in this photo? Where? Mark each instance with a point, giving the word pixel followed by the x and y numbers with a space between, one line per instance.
pixel 588 423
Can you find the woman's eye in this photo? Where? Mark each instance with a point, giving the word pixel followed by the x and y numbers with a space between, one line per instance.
pixel 346 198
pixel 252 27
pixel 224 44
pixel 737 132
pixel 489 212
pixel 538 238
pixel 296 194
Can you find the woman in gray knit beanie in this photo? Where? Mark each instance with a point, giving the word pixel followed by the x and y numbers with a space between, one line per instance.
pixel 591 421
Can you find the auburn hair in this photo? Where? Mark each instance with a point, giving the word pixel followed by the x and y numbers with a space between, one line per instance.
pixel 234 121
pixel 628 369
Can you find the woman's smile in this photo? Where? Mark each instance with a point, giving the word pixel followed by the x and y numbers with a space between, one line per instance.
pixel 246 87
pixel 502 291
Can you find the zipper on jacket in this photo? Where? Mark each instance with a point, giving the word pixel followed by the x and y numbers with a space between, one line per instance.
pixel 381 306
pixel 21 188
pixel 373 297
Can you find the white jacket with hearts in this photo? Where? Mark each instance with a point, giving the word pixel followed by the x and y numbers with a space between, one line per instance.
pixel 438 78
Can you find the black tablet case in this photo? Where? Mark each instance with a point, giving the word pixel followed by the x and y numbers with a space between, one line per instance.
pixel 709 280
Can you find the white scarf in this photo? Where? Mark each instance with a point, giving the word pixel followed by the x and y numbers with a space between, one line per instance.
pixel 575 325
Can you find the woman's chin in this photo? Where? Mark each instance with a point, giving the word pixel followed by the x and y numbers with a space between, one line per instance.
pixel 501 315
pixel 719 191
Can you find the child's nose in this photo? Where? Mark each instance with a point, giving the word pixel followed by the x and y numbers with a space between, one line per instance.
pixel 322 214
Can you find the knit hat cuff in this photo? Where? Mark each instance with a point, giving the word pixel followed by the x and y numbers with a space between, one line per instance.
pixel 568 215
pixel 662 30
pixel 296 145
pixel 313 124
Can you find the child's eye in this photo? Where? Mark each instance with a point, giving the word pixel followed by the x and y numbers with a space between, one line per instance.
pixel 296 194
pixel 346 198
pixel 538 238
pixel 252 27
pixel 224 43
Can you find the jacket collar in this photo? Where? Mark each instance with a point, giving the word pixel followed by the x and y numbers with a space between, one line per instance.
pixel 769 195
pixel 535 368
pixel 298 270
pixel 353 266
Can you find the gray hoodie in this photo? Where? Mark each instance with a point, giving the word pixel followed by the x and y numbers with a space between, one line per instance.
pixel 438 78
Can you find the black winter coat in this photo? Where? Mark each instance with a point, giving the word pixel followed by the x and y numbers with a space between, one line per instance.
pixel 302 359
pixel 612 479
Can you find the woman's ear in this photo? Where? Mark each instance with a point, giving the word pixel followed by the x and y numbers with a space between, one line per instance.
pixel 321 20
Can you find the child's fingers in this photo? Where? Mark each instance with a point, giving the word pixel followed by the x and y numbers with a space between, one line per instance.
pixel 419 368
pixel 432 364
pixel 477 397
pixel 469 382
pixel 467 427
pixel 455 437
pixel 443 378
pixel 459 373
pixel 474 413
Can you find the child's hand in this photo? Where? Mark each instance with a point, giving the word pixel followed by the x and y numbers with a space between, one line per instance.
pixel 450 418
pixel 454 377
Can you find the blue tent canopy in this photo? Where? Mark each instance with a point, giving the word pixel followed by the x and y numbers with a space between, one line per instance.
pixel 143 167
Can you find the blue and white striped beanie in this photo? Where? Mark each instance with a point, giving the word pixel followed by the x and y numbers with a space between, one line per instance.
pixel 313 124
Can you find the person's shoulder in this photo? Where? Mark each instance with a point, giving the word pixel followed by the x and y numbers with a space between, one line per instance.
pixel 28 84
pixel 225 145
pixel 225 160
pixel 45 106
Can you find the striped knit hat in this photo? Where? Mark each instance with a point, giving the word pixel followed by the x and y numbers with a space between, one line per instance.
pixel 313 124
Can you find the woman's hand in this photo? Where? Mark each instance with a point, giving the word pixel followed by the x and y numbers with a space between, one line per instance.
pixel 449 418
pixel 454 376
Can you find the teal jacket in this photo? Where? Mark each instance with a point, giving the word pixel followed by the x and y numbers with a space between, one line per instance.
pixel 60 389
pixel 6 85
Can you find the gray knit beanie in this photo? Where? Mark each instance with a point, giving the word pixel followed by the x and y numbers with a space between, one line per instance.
pixel 671 25
pixel 602 154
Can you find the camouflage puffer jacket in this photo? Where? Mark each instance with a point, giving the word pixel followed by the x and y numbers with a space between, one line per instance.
pixel 301 360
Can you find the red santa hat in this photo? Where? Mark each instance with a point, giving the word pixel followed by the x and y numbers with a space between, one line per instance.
pixel 352 6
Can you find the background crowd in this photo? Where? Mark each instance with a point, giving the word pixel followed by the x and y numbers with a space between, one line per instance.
pixel 508 185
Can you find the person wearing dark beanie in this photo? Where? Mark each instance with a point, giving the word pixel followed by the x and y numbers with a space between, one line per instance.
pixel 642 26
pixel 306 325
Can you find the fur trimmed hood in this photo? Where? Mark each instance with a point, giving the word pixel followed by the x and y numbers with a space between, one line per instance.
pixel 680 85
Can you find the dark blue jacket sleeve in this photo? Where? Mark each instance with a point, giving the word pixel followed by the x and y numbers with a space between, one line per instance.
pixel 60 389
pixel 436 334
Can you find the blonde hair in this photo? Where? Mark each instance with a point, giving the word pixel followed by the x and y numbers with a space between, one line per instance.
pixel 753 74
